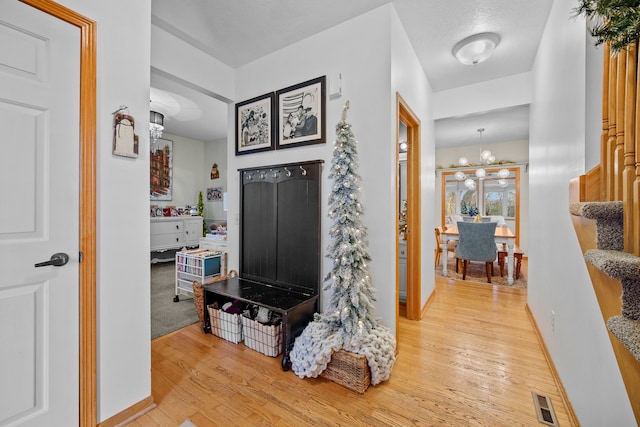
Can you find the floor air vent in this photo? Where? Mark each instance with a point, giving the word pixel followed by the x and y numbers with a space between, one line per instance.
pixel 544 409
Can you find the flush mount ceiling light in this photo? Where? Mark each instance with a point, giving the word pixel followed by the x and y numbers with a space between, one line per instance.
pixel 476 48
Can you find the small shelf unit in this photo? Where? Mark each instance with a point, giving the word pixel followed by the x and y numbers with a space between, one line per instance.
pixel 199 264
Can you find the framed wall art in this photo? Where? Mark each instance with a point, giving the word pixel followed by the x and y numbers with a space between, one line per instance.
pixel 301 114
pixel 214 194
pixel 255 124
pixel 161 169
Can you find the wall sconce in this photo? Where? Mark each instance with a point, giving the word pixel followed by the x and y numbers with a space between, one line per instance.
pixel 476 48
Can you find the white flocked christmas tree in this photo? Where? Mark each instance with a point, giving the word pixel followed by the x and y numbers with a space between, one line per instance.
pixel 347 321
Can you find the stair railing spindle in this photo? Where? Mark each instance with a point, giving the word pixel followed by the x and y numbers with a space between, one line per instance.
pixel 608 179
pixel 604 136
pixel 628 173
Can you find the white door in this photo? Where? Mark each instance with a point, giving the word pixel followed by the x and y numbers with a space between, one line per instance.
pixel 39 216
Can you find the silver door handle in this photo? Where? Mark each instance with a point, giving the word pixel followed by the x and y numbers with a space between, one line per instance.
pixel 57 260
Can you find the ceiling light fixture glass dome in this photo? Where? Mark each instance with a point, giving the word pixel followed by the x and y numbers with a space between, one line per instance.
pixel 470 184
pixel 503 173
pixel 476 48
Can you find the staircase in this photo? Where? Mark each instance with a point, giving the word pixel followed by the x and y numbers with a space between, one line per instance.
pixel 615 276
pixel 610 258
pixel 605 211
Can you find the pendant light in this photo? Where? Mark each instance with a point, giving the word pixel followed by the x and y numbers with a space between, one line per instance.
pixel 156 126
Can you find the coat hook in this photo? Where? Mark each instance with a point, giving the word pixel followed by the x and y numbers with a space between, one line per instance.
pixel 304 172
pixel 287 171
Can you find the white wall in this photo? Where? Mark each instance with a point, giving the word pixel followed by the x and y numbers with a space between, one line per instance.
pixel 179 61
pixel 410 82
pixel 215 152
pixel 123 313
pixel 360 50
pixel 558 278
pixel 491 95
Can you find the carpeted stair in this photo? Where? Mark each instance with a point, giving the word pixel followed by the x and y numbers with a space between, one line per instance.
pixel 610 258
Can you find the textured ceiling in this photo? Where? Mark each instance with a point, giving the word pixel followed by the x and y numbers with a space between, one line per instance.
pixel 239 31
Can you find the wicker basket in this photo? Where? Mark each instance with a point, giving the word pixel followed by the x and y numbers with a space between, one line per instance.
pixel 198 293
pixel 349 370
pixel 198 299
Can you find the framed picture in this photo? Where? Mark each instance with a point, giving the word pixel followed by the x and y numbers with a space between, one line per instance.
pixel 254 125
pixel 214 194
pixel 161 168
pixel 301 114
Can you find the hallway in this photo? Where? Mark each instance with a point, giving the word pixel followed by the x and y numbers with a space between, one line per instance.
pixel 474 359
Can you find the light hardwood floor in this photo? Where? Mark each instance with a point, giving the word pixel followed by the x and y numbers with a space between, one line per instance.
pixel 473 360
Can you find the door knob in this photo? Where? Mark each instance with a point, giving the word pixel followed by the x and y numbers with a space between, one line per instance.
pixel 57 260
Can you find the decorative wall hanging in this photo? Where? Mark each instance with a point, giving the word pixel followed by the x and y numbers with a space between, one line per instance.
pixel 301 114
pixel 125 141
pixel 255 125
pixel 161 169
pixel 214 194
pixel 215 173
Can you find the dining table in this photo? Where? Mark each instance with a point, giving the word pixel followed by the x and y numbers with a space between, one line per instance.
pixel 503 235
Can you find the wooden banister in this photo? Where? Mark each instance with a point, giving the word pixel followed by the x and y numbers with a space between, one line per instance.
pixel 616 178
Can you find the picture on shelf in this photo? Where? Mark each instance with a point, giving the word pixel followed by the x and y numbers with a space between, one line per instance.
pixel 301 114
pixel 254 125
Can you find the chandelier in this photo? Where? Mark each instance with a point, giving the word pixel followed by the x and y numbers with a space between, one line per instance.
pixel 156 126
pixel 486 158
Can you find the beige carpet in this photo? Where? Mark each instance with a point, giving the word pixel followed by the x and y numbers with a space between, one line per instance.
pixel 476 273
pixel 167 315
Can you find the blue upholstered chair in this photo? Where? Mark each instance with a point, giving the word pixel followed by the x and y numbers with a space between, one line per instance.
pixel 477 243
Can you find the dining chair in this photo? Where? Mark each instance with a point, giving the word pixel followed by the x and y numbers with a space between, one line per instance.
pixel 477 243
pixel 451 247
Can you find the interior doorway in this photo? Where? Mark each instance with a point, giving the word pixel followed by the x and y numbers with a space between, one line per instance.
pixel 408 238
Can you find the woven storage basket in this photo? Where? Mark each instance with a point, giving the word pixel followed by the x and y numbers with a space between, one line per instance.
pixel 198 293
pixel 198 299
pixel 349 370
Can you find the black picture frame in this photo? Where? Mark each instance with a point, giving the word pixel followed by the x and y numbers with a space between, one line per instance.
pixel 301 114
pixel 255 129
